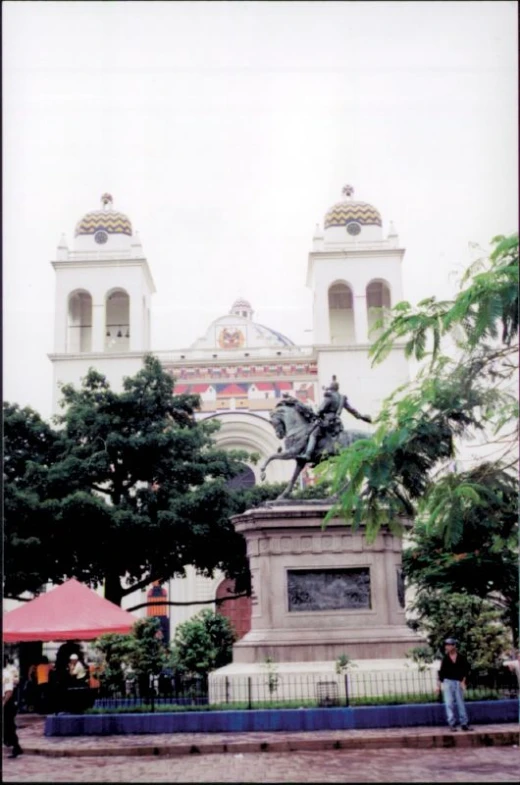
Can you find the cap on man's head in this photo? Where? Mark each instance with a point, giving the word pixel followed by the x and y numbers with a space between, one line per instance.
pixel 451 641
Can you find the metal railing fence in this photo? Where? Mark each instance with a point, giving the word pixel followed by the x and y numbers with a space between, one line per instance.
pixel 268 689
pixel 274 690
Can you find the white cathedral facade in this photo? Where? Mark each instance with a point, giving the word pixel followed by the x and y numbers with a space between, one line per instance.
pixel 240 369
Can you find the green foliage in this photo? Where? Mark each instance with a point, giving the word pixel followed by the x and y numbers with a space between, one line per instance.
pixel 115 651
pixel 344 664
pixel 473 621
pixel 148 653
pixel 129 489
pixel 141 652
pixel 486 308
pixel 481 558
pixel 422 656
pixel 202 644
pixel 389 474
pixel 30 445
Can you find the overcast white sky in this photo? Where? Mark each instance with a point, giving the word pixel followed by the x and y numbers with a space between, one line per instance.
pixel 226 130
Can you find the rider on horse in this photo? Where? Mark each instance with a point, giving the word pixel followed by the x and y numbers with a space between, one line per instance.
pixel 328 421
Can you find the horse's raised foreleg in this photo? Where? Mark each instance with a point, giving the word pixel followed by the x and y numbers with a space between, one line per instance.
pixel 278 456
pixel 298 470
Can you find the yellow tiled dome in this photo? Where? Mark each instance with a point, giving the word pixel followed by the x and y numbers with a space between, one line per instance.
pixel 106 220
pixel 349 211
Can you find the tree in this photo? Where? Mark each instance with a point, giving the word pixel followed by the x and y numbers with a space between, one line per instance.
pixel 148 653
pixel 115 650
pixel 203 644
pixel 483 560
pixel 141 653
pixel 466 387
pixel 473 621
pixel 419 424
pixel 30 446
pixel 132 490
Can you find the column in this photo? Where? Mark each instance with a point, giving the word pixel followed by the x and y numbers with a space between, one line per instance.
pixel 136 322
pixel 321 317
pixel 361 318
pixel 98 326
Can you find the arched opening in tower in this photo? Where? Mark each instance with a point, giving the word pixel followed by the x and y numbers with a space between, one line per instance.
pixel 117 321
pixel 378 301
pixel 79 323
pixel 341 314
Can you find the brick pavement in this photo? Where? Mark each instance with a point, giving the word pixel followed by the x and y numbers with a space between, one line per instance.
pixel 34 742
pixel 495 764
pixel 489 753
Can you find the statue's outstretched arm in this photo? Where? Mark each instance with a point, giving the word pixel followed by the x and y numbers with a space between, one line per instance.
pixel 354 412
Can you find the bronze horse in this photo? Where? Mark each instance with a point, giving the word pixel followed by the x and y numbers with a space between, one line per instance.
pixel 293 421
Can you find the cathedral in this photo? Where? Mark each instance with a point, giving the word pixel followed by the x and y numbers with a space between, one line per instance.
pixel 239 368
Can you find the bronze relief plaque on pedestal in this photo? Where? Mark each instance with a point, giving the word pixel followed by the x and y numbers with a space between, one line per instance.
pixel 329 590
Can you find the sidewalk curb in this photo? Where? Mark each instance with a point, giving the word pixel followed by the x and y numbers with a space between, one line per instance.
pixel 473 738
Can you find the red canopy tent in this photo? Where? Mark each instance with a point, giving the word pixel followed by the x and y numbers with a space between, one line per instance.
pixel 71 611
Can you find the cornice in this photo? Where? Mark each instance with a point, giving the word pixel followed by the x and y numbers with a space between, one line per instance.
pixel 357 252
pixel 62 356
pixel 76 264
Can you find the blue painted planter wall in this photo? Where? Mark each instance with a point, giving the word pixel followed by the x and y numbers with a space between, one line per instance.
pixel 426 714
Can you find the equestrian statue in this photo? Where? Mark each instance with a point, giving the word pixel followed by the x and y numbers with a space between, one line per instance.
pixel 311 437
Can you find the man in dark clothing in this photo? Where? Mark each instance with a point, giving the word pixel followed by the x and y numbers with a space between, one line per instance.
pixel 453 673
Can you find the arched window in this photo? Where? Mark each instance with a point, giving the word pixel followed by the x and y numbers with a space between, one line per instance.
pixel 117 321
pixel 378 299
pixel 341 314
pixel 79 324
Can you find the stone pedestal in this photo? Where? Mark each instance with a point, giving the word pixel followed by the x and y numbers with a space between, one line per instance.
pixel 320 592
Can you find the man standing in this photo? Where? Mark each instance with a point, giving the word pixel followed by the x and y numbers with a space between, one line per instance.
pixel 10 707
pixel 453 673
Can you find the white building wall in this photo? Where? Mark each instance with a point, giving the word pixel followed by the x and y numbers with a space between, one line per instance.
pixel 72 369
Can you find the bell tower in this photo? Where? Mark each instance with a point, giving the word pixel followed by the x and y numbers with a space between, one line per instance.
pixel 355 275
pixel 102 298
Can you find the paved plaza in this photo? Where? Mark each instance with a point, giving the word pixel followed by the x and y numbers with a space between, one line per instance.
pixel 488 754
pixel 492 764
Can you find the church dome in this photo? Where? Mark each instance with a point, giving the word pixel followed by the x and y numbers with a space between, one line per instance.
pixel 352 212
pixel 242 307
pixel 237 330
pixel 241 303
pixel 107 221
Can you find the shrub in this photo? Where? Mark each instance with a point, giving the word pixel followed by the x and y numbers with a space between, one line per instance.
pixel 202 644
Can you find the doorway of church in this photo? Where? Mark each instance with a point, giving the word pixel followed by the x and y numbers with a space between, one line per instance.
pixel 237 611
